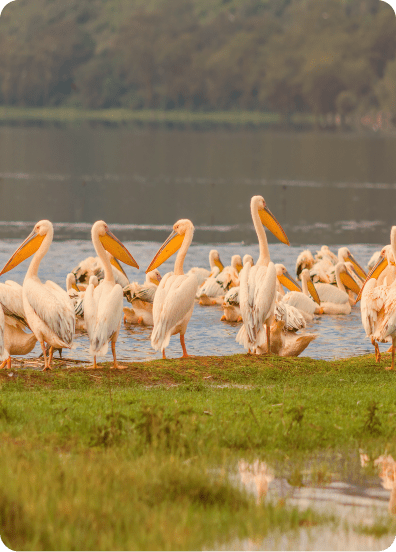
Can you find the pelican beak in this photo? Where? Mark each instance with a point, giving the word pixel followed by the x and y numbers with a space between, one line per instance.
pixel 75 286
pixel 117 265
pixel 219 264
pixel 117 249
pixel 268 219
pixel 239 267
pixel 358 269
pixel 170 246
pixel 349 282
pixel 313 292
pixel 286 280
pixel 24 251
pixel 379 267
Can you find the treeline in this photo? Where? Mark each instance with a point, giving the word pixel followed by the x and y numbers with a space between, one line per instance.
pixel 285 56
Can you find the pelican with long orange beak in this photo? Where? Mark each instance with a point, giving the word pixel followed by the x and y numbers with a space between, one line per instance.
pixel 257 288
pixel 174 299
pixel 378 307
pixel 335 300
pixel 297 297
pixel 48 309
pixel 103 304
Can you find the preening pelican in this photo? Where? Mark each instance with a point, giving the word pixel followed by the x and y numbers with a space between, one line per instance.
pixel 232 312
pixel 16 341
pixel 257 293
pixel 302 301
pixel 77 298
pixel 103 304
pixel 93 266
pixel 203 274
pixel 175 296
pixel 304 260
pixel 335 300
pixel 141 297
pixel 48 309
pixel 378 307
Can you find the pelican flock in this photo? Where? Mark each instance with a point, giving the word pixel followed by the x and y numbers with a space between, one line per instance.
pixel 271 306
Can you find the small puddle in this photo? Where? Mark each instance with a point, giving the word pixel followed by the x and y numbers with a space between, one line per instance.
pixel 356 491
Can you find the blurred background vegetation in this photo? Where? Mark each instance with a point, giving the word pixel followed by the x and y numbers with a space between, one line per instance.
pixel 315 57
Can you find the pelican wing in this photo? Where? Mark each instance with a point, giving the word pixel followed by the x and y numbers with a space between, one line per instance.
pixel 3 352
pixel 265 294
pixel 11 299
pixel 293 319
pixel 145 293
pixel 52 305
pixel 371 304
pixel 331 294
pixel 108 319
pixel 300 301
pixel 232 297
pixel 173 301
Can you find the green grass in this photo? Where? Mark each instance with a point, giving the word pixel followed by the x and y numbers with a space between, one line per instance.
pixel 120 115
pixel 139 459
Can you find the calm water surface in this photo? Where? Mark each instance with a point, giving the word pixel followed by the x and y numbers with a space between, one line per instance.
pixel 324 188
pixel 338 336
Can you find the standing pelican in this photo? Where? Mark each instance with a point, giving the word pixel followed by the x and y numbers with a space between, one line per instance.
pixel 48 309
pixel 103 304
pixel 257 292
pixel 175 296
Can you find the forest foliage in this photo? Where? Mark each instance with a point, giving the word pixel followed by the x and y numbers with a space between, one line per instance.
pixel 284 56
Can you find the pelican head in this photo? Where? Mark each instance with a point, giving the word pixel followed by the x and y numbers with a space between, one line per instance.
pixel 344 256
pixel 236 262
pixel 30 245
pixel 306 277
pixel 248 259
pixel 154 277
pixel 342 272
pixel 285 279
pixel 112 244
pixel 214 259
pixel 173 243
pixel 258 204
pixel 71 282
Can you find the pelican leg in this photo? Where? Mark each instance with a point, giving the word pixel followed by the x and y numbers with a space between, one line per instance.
pixel 268 339
pixel 377 351
pixel 185 354
pixel 392 367
pixel 115 366
pixel 8 362
pixel 93 366
pixel 163 354
pixel 46 363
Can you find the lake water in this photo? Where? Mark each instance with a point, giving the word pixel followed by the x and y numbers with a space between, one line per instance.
pixel 323 188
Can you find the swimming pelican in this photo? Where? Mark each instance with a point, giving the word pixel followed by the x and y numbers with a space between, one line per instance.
pixel 203 274
pixel 141 296
pixel 257 293
pixel 16 341
pixel 335 300
pixel 48 309
pixel 103 304
pixel 345 256
pixel 212 292
pixel 302 300
pixel 175 296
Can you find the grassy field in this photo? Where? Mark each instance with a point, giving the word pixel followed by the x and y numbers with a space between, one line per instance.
pixel 140 459
pixel 118 116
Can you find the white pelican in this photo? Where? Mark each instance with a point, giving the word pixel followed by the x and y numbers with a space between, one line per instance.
pixel 103 304
pixel 175 296
pixel 141 297
pixel 13 323
pixel 203 274
pixel 93 266
pixel 257 293
pixel 335 300
pixel 48 309
pixel 378 307
pixel 345 256
pixel 77 298
pixel 285 343
pixel 302 300
pixel 304 260
pixel 232 312
pixel 212 292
